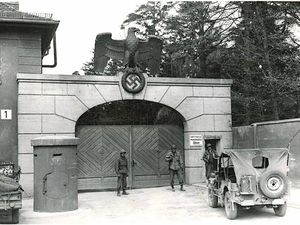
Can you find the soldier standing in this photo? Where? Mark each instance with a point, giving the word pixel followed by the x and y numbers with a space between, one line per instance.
pixel 210 158
pixel 121 168
pixel 175 166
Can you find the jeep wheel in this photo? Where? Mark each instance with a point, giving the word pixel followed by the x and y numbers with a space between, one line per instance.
pixel 280 210
pixel 15 216
pixel 231 208
pixel 273 184
pixel 212 199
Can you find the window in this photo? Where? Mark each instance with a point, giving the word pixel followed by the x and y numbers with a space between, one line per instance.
pixel 260 162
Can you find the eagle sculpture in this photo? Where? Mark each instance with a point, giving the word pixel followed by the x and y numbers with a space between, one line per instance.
pixel 134 52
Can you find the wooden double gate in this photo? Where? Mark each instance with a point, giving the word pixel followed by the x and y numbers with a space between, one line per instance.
pixel 146 147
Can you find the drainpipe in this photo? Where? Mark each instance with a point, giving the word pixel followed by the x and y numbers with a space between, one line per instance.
pixel 54 54
pixel 254 135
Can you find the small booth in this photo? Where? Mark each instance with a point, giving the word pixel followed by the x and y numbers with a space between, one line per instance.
pixel 55 174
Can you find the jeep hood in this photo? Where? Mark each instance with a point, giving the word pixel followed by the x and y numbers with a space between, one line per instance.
pixel 242 161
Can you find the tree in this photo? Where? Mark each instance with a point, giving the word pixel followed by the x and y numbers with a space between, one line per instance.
pixel 112 68
pixel 252 43
pixel 198 30
pixel 263 62
pixel 191 31
pixel 88 68
pixel 152 19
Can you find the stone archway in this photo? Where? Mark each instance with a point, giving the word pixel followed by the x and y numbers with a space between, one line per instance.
pixel 146 130
pixel 52 104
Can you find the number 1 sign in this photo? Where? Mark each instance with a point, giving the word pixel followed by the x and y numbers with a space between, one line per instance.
pixel 5 114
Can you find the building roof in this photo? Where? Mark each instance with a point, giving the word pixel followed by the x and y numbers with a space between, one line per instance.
pixel 12 19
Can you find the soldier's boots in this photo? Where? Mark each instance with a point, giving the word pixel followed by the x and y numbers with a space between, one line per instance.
pixel 125 193
pixel 181 188
pixel 173 189
pixel 118 194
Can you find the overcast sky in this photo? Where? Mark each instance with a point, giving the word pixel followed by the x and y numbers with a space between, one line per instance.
pixel 80 22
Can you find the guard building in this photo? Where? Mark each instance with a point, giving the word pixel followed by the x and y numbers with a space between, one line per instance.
pixel 102 113
pixel 24 41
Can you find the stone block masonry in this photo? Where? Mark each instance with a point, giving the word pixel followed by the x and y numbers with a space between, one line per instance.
pixel 52 104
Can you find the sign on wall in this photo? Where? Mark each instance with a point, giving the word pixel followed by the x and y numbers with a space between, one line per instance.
pixel 5 114
pixel 196 140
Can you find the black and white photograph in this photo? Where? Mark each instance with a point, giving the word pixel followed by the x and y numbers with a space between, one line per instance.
pixel 149 112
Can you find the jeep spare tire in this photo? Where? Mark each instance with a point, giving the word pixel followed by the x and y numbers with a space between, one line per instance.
pixel 273 184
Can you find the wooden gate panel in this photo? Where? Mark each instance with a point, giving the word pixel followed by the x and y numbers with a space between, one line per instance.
pixel 168 135
pixel 144 154
pixel 115 138
pixel 98 149
pixel 88 156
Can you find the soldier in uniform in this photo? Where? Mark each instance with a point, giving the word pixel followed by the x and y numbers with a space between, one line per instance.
pixel 175 166
pixel 121 168
pixel 210 158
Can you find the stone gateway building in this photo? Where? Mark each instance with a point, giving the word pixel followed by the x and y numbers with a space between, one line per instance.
pixel 83 106
pixel 106 118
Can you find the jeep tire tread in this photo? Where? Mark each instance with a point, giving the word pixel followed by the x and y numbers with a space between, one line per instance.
pixel 231 208
pixel 280 210
pixel 15 216
pixel 279 181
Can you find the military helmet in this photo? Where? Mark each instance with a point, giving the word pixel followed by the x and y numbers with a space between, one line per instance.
pixel 122 151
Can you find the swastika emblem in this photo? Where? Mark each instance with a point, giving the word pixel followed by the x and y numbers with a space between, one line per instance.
pixel 133 82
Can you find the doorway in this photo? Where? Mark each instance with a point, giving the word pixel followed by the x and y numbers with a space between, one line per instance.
pixel 215 143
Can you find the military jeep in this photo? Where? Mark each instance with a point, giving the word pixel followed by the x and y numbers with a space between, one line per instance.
pixel 248 178
pixel 10 193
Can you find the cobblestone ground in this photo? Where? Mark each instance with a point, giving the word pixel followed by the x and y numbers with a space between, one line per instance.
pixel 155 206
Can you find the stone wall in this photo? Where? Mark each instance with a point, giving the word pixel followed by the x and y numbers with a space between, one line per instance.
pixel 272 134
pixel 51 105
